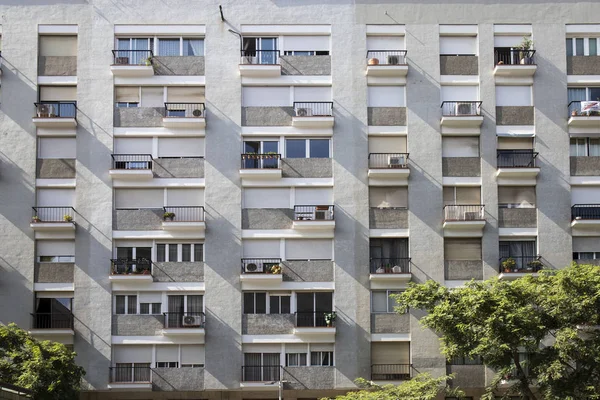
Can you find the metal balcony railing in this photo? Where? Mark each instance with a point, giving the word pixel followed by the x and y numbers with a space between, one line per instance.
pixel 130 266
pixel 391 372
pixel 258 57
pixel 313 108
pixel 53 214
pixel 315 319
pixel 261 266
pixel 261 373
pixel 389 265
pixel 132 57
pixel 184 213
pixel 514 57
pixel 313 213
pixel 388 160
pixel 516 158
pixel 520 264
pixel 188 319
pixel 461 108
pixel 132 161
pixel 52 320
pixel 585 211
pixel 261 161
pixel 584 108
pixel 464 212
pixel 56 109
pixel 130 374
pixel 386 57
pixel 184 110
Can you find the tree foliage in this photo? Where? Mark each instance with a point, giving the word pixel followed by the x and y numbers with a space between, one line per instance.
pixel 554 317
pixel 44 367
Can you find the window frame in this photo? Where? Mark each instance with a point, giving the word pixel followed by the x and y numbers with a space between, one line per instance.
pixel 56 259
pixel 128 298
pixel 321 353
pixel 307 142
pixel 154 41
pixel 179 251
pixel 586 46
pixel 595 255
pixel 268 297
pixel 301 359
pixel 388 292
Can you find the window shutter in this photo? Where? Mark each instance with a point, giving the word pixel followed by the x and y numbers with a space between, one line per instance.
pixel 139 198
pixel 386 96
pixel 378 144
pixel 127 94
pixel 55 197
pixel 266 198
pixel 385 42
pixel 185 197
pixel 454 45
pixel 468 195
pixel 314 196
pixel 133 145
pixel 58 46
pixel 167 353
pixel 58 93
pixel 586 244
pixel 308 249
pixel 185 94
pixel 55 247
pixel 272 96
pixel 306 43
pixel 314 93
pixel 192 354
pixel 133 354
pixel 467 146
pixel 515 143
pixel 388 197
pixel 390 353
pixel 458 93
pixel 462 249
pixel 59 147
pixel 261 248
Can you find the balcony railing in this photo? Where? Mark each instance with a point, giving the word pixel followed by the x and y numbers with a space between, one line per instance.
pixel 56 109
pixel 315 319
pixel 514 57
pixel 461 108
pixel 129 266
pixel 51 320
pixel 261 373
pixel 130 374
pixel 388 160
pixel 390 265
pixel 258 57
pixel 464 212
pixel 184 213
pixel 391 372
pixel 516 158
pixel 184 110
pixel 133 57
pixel 53 214
pixel 132 161
pixel 313 213
pixel 313 108
pixel 512 264
pixel 585 108
pixel 386 57
pixel 585 211
pixel 261 161
pixel 261 266
pixel 184 320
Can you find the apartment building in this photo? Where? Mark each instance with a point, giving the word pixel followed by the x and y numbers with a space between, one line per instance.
pixel 206 204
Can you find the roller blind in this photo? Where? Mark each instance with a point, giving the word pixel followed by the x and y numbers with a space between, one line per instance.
pixel 192 354
pixel 461 195
pixel 314 196
pixel 314 93
pixel 185 197
pixel 133 145
pixel 55 197
pixel 306 43
pixel 379 144
pixel 133 354
pixel 321 347
pixel 139 198
pixel 514 143
pixel 462 249
pixel 386 96
pixel 181 147
pixel 167 353
pixel 296 347
pixel 266 96
pixel 518 195
pixel 390 353
pixel 127 94
pixel 152 96
pixel 507 41
pixel 388 197
pixel 457 93
pixel 513 96
pixel 585 194
pixel 586 244
pixel 58 46
pixel 150 297
pixel 385 42
pixel 266 198
pixel 308 249
pixel 261 248
pixel 185 94
pixel 453 45
pixel 55 247
pixel 467 146
pixel 57 147
pixel 58 93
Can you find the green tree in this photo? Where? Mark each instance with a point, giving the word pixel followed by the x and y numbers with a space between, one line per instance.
pixel 44 367
pixel 555 318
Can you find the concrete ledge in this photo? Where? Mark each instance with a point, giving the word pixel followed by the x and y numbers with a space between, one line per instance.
pixel 515 115
pixel 388 218
pixel 390 323
pixel 459 65
pixel 517 217
pixel 386 116
pixel 461 166
pixel 462 270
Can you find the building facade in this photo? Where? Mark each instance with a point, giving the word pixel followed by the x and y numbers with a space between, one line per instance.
pixel 210 202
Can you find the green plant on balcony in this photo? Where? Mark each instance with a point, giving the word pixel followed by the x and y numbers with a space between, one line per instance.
pixel 275 269
pixel 148 61
pixel 534 265
pixel 67 218
pixel 526 46
pixel 168 216
pixel 509 264
pixel 329 318
pixel 36 219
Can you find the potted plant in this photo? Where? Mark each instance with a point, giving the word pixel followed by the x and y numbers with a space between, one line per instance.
pixel 146 272
pixel 329 318
pixel 509 264
pixel 373 61
pixel 526 45
pixel 574 113
pixel 36 219
pixel 535 265
pixel 275 269
pixel 148 61
pixel 67 218
pixel 168 216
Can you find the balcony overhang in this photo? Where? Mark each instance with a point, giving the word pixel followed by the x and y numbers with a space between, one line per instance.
pixel 187 122
pixel 511 276
pixel 182 225
pixel 64 336
pixel 259 386
pixel 384 278
pixel 515 71
pixel 321 330
pixel 388 176
pixel 54 122
pixel 313 122
pixel 584 121
pixel 517 176
pixel 52 226
pixel 467 121
pixel 260 70
pixel 314 225
pixel 197 333
pixel 130 278
pixel 585 224
pixel 464 228
pixel 131 174
pixel 260 173
pixel 131 386
pixel 129 71
pixel 260 281
pixel 387 70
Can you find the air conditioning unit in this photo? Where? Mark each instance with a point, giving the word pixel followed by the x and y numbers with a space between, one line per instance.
pixel 471 216
pixel 464 109
pixel 396 161
pixel 320 214
pixel 191 320
pixel 304 112
pixel 253 267
pixel 197 113
pixel 393 60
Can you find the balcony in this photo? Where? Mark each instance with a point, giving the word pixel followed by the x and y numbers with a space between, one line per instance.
pixel 517 167
pixel 260 63
pixel 514 267
pixel 391 372
pixel 387 63
pixel 513 63
pixel 53 219
pixel 387 270
pixel 183 218
pixel 260 272
pixel 584 114
pixel 55 114
pixel 315 322
pixel 131 166
pixel 313 114
pixel 585 216
pixel 260 166
pixel 184 115
pixel 54 326
pixel 132 63
pixel 390 168
pixel 131 377
pixel 131 270
pixel 314 217
pixel 464 220
pixel 255 376
pixel 461 114
pixel 184 323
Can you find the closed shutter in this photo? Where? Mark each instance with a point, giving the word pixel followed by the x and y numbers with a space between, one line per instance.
pixel 306 43
pixel 127 94
pixel 378 144
pixel 455 45
pixel 167 353
pixel 55 247
pixel 133 145
pixel 315 93
pixel 585 194
pixel 58 93
pixel 185 197
pixel 139 198
pixel 468 195
pixel 467 146
pixel 314 196
pixel 132 354
pixel 522 196
pixel 58 46
pixel 185 94
pixel 271 96
pixel 386 96
pixel 261 248
pixel 296 348
pixel 152 96
pixel 388 197
pixel 181 147
pixel 150 297
pixel 507 41
pixel 513 96
pixel 390 353
pixel 55 197
pixel 458 93
pixel 462 249
pixel 308 249
pixel 192 354
pixel 586 244
pixel 60 147
pixel 385 42
pixel 266 198
pixel 321 347
pixel 515 143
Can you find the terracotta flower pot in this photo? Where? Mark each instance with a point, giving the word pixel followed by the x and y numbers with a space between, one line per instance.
pixel 373 61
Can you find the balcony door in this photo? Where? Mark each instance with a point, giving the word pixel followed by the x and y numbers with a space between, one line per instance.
pixel 135 57
pixel 266 147
pixel 53 313
pixel 312 307
pixel 261 367
pixel 261 50
pixel 387 254
pixel 522 251
pixel 180 306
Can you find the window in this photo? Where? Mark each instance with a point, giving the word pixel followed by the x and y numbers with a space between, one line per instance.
pixel 255 303
pixel 125 104
pixel 460 146
pixel 381 302
pixel 516 196
pixel 192 365
pixel 180 252
pixel 321 358
pixel 581 147
pixel 388 197
pixel 279 304
pixel 260 50
pixel 150 308
pixel 454 195
pixel 56 259
pixel 307 148
pixel 167 364
pixel 466 361
pixel 586 255
pixel 295 360
pixel 125 304
pixel 582 46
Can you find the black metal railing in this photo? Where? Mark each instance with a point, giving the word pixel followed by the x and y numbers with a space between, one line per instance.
pixel 388 160
pixel 52 320
pixel 261 373
pixel 56 109
pixel 386 57
pixel 587 109
pixel 313 108
pixel 520 264
pixel 391 372
pixel 184 110
pixel 261 265
pixel 184 213
pixel 514 57
pixel 464 212
pixel 188 319
pixel 585 211
pixel 53 214
pixel 132 161
pixel 132 57
pixel 516 158
pixel 315 319
pixel 389 265
pixel 130 374
pixel 130 266
pixel 257 57
pixel 313 213
pixel 461 108
pixel 261 161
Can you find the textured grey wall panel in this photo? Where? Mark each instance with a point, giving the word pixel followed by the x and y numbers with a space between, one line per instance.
pixel 300 378
pixel 386 116
pixel 57 66
pixel 178 65
pixel 459 65
pixel 585 166
pixel 55 168
pixel 305 65
pixel 267 116
pixel 515 115
pixel 388 218
pixel 138 220
pixel 267 324
pixel 54 272
pixel 139 117
pixel 461 166
pixel 137 325
pixel 308 271
pixel 306 168
pixel 267 218
pixel 390 323
pixel 461 270
pixel 583 65
pixel 178 272
pixel 178 167
pixel 517 217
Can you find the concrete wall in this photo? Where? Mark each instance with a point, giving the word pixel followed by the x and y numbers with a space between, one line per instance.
pixel 57 66
pixel 461 270
pixel 188 65
pixel 137 325
pixel 177 379
pixel 267 218
pixel 585 166
pixel 467 376
pixel 178 271
pixel 308 271
pixel 138 220
pixel 305 65
pixel 302 378
pixel 459 65
pixel 386 116
pixel 388 218
pixel 141 117
pixel 55 168
pixel 514 115
pixel 306 168
pixel 461 166
pixel 178 167
pixel 267 116
pixel 517 217
pixel 583 65
pixel 267 324
pixel 390 323
pixel 54 272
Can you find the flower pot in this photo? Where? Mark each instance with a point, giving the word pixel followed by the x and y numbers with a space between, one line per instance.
pixel 373 61
pixel 574 113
